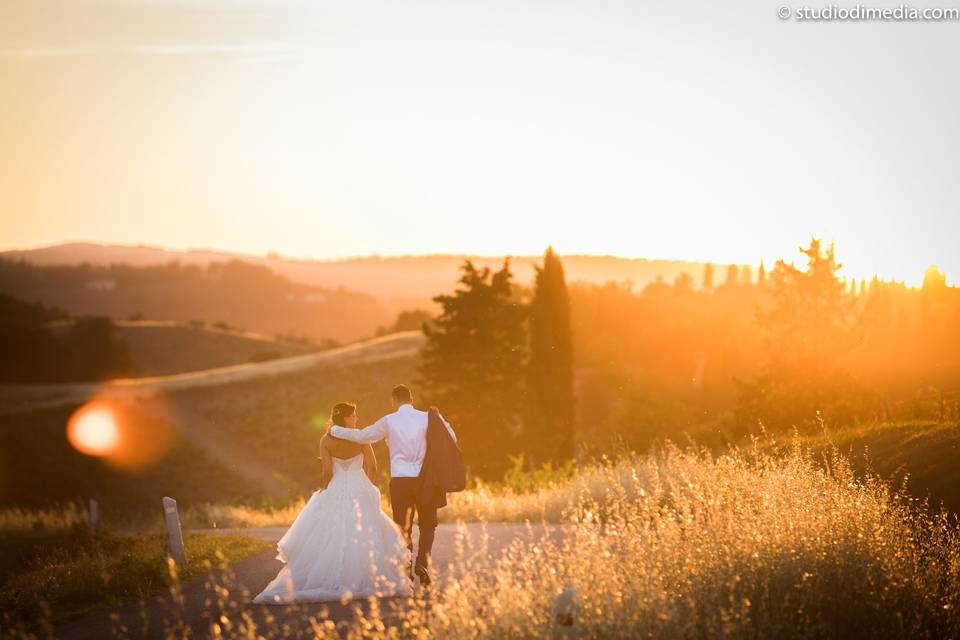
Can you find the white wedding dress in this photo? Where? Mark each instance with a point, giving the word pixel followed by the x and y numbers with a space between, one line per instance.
pixel 341 545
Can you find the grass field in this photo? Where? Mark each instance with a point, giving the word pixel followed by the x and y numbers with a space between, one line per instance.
pixel 163 348
pixel 774 539
pixel 794 538
pixel 921 458
pixel 38 467
pixel 252 442
pixel 55 577
pixel 759 542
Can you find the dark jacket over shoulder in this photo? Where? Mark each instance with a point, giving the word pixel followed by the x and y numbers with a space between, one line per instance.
pixel 443 470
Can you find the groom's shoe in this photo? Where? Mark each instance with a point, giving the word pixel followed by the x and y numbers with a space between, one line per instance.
pixel 424 576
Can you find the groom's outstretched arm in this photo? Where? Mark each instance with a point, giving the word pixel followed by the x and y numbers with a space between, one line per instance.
pixel 368 435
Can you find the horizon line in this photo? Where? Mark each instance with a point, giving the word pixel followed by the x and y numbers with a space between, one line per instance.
pixel 276 255
pixel 291 258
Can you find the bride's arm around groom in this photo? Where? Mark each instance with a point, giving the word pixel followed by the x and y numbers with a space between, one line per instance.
pixel 368 435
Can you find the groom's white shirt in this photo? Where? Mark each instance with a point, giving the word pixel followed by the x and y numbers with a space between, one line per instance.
pixel 406 432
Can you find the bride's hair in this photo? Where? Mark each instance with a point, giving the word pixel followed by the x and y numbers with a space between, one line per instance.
pixel 341 411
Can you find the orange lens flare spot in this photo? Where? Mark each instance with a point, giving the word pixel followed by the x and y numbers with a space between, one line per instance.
pixel 93 430
pixel 130 433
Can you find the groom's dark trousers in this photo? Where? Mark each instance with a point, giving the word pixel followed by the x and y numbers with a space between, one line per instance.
pixel 405 498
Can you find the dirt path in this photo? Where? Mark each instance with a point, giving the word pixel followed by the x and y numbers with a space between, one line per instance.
pixel 151 618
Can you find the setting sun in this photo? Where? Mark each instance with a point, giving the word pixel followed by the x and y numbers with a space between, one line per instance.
pixel 93 430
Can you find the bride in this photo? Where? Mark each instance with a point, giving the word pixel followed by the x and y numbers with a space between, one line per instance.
pixel 342 544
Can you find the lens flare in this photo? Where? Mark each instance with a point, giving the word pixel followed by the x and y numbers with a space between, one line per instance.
pixel 93 430
pixel 128 432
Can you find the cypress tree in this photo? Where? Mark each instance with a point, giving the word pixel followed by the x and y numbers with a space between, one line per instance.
pixel 707 277
pixel 549 410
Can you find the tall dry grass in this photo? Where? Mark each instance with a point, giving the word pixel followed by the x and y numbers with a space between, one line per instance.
pixel 241 516
pixel 684 544
pixel 748 544
pixel 59 518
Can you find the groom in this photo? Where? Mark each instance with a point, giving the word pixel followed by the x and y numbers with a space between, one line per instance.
pixel 406 432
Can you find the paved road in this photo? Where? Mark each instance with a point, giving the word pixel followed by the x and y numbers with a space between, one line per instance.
pixel 151 618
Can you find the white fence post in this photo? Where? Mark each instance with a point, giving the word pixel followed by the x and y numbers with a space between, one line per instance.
pixel 173 546
pixel 565 609
pixel 93 517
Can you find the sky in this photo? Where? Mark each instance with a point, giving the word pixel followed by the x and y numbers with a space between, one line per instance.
pixel 690 129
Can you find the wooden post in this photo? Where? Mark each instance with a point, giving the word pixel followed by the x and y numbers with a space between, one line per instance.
pixel 173 546
pixel 93 517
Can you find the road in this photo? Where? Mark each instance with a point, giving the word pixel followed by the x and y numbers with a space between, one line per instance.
pixel 150 619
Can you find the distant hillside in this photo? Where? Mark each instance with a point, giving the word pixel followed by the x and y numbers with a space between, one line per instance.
pixel 239 294
pixel 397 281
pixel 251 433
pixel 163 348
pixel 25 398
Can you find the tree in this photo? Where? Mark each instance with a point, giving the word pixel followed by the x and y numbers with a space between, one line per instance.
pixel 934 280
pixel 472 365
pixel 81 349
pixel 683 282
pixel 549 410
pixel 407 320
pixel 809 332
pixel 809 324
pixel 93 350
pixel 707 277
pixel 733 273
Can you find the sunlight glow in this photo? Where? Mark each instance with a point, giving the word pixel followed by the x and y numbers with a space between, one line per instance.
pixel 320 130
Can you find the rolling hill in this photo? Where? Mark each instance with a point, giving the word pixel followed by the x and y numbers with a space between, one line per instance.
pixel 245 432
pixel 249 433
pixel 397 281
pixel 922 456
pixel 231 293
pixel 160 347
